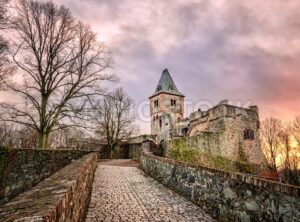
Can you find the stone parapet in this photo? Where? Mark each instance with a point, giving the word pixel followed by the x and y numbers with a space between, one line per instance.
pixel 21 169
pixel 64 196
pixel 225 195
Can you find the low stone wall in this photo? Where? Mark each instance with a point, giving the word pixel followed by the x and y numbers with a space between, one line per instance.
pixel 21 169
pixel 226 196
pixel 64 196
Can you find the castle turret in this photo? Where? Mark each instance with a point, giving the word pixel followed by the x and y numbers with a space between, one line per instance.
pixel 167 104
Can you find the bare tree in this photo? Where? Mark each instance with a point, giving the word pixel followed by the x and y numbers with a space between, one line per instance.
pixel 7 134
pixel 26 138
pixel 67 138
pixel 62 67
pixel 17 136
pixel 296 130
pixel 290 143
pixel 114 121
pixel 5 69
pixel 271 140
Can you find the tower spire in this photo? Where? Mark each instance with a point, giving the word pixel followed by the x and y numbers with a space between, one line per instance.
pixel 166 85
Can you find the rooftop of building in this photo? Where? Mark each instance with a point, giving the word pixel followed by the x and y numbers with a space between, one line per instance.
pixel 166 85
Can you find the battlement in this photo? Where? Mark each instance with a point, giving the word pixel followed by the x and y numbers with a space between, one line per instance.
pixel 224 110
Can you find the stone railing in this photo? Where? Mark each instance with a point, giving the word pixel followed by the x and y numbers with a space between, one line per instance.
pixel 226 196
pixel 21 169
pixel 64 196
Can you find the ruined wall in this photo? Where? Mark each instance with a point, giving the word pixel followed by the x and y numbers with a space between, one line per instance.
pixel 231 122
pixel 24 168
pixel 208 142
pixel 205 150
pixel 64 196
pixel 226 196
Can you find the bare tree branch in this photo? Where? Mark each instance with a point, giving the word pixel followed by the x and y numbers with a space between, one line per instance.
pixel 113 119
pixel 62 64
pixel 271 131
pixel 5 68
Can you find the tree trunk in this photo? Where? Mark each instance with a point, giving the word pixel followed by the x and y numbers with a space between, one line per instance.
pixel 111 150
pixel 43 140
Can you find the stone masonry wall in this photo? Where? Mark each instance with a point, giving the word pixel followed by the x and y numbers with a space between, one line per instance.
pixel 231 122
pixel 25 168
pixel 226 196
pixel 164 107
pixel 64 196
pixel 207 142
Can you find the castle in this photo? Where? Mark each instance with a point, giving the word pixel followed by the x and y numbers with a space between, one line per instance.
pixel 227 130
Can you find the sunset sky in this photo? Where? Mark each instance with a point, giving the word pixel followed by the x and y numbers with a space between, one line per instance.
pixel 244 51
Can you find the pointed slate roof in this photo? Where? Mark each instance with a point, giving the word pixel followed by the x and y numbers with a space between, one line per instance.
pixel 166 85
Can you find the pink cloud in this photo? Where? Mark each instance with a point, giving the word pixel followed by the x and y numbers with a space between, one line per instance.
pixel 240 50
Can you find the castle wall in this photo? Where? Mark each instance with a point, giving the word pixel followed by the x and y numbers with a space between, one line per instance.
pixel 164 107
pixel 181 127
pixel 226 196
pixel 25 168
pixel 238 127
pixel 231 122
pixel 205 142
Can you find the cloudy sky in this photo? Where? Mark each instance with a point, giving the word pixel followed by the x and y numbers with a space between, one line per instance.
pixel 244 51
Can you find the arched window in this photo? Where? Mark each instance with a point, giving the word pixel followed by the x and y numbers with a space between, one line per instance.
pixel 160 123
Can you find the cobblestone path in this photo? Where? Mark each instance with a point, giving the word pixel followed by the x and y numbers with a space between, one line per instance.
pixel 127 194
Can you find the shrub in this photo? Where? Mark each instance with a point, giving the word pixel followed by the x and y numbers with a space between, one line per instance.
pixel 182 153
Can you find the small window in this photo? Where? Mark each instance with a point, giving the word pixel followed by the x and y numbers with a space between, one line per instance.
pixel 173 102
pixel 160 123
pixel 248 135
pixel 158 89
pixel 156 103
pixel 184 131
pixel 171 87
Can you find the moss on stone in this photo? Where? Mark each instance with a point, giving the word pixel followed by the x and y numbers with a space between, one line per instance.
pixel 181 151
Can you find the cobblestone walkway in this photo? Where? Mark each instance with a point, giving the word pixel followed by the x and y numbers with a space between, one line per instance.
pixel 127 194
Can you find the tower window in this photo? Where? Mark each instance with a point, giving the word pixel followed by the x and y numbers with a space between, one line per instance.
pixel 160 123
pixel 171 87
pixel 156 103
pixel 248 135
pixel 158 88
pixel 173 102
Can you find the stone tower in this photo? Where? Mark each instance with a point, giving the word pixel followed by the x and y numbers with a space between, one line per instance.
pixel 166 106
